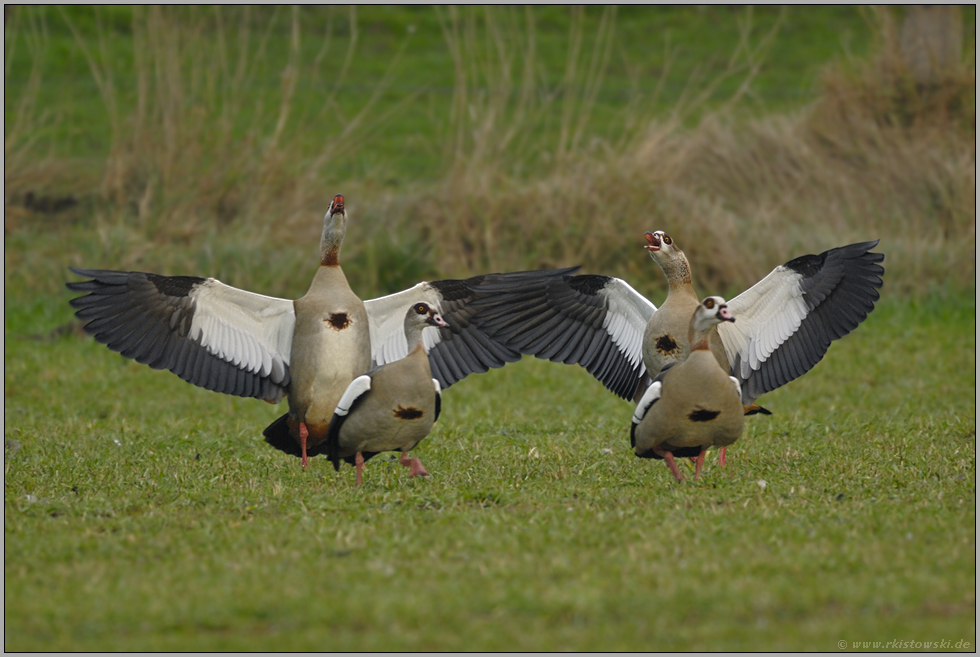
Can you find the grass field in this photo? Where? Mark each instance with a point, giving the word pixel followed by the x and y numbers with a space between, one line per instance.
pixel 142 513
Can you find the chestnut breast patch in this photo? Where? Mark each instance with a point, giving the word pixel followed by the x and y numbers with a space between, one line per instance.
pixel 410 413
pixel 666 344
pixel 702 415
pixel 339 321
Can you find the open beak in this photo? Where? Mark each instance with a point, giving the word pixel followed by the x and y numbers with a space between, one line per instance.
pixel 653 242
pixel 337 205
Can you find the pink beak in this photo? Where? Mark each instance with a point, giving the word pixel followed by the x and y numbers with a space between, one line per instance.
pixel 435 319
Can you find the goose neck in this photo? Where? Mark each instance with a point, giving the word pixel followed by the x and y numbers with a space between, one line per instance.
pixel 334 229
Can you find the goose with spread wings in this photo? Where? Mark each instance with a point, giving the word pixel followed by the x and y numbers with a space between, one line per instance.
pixel 692 404
pixel 308 350
pixel 786 321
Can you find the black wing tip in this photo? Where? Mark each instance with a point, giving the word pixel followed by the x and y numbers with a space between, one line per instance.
pixel 487 282
pixel 277 435
pixel 333 440
pixel 677 452
pixel 859 249
pixel 80 286
pixel 523 274
pixel 589 284
pixel 96 274
pixel 755 409
pixel 810 264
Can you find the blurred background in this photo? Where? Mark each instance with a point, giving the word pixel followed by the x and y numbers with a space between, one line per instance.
pixel 209 141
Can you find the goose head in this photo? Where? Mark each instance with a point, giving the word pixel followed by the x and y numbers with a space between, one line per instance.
pixel 659 244
pixel 668 255
pixel 334 229
pixel 421 315
pixel 711 312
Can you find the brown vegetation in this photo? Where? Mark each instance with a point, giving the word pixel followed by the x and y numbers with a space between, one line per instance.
pixel 876 156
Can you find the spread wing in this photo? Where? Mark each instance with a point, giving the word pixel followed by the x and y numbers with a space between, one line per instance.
pixel 461 349
pixel 785 322
pixel 207 333
pixel 594 321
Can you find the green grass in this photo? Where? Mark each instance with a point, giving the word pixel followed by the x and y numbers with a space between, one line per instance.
pixel 142 513
pixel 676 49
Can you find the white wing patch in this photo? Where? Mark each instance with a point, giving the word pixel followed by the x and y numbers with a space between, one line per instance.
pixel 357 387
pixel 651 395
pixel 435 382
pixel 386 321
pixel 430 338
pixel 626 318
pixel 766 315
pixel 248 330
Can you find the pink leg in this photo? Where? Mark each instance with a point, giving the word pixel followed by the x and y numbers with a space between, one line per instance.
pixel 358 466
pixel 721 457
pixel 670 463
pixel 418 470
pixel 699 462
pixel 303 435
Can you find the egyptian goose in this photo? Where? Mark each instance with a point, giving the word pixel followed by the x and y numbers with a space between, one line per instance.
pixel 665 336
pixel 786 321
pixel 692 404
pixel 392 407
pixel 241 343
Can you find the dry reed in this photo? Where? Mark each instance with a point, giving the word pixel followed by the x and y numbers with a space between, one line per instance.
pixel 198 160
pixel 741 196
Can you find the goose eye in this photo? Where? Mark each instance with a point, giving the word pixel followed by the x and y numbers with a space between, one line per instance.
pixel 709 304
pixel 666 239
pixel 420 309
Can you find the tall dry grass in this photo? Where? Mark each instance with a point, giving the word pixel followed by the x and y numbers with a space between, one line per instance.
pixel 531 185
pixel 28 160
pixel 873 157
pixel 199 160
pixel 199 145
pixel 204 177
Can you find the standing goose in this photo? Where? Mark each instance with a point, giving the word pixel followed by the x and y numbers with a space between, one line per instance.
pixel 250 345
pixel 331 344
pixel 786 321
pixel 692 404
pixel 392 407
